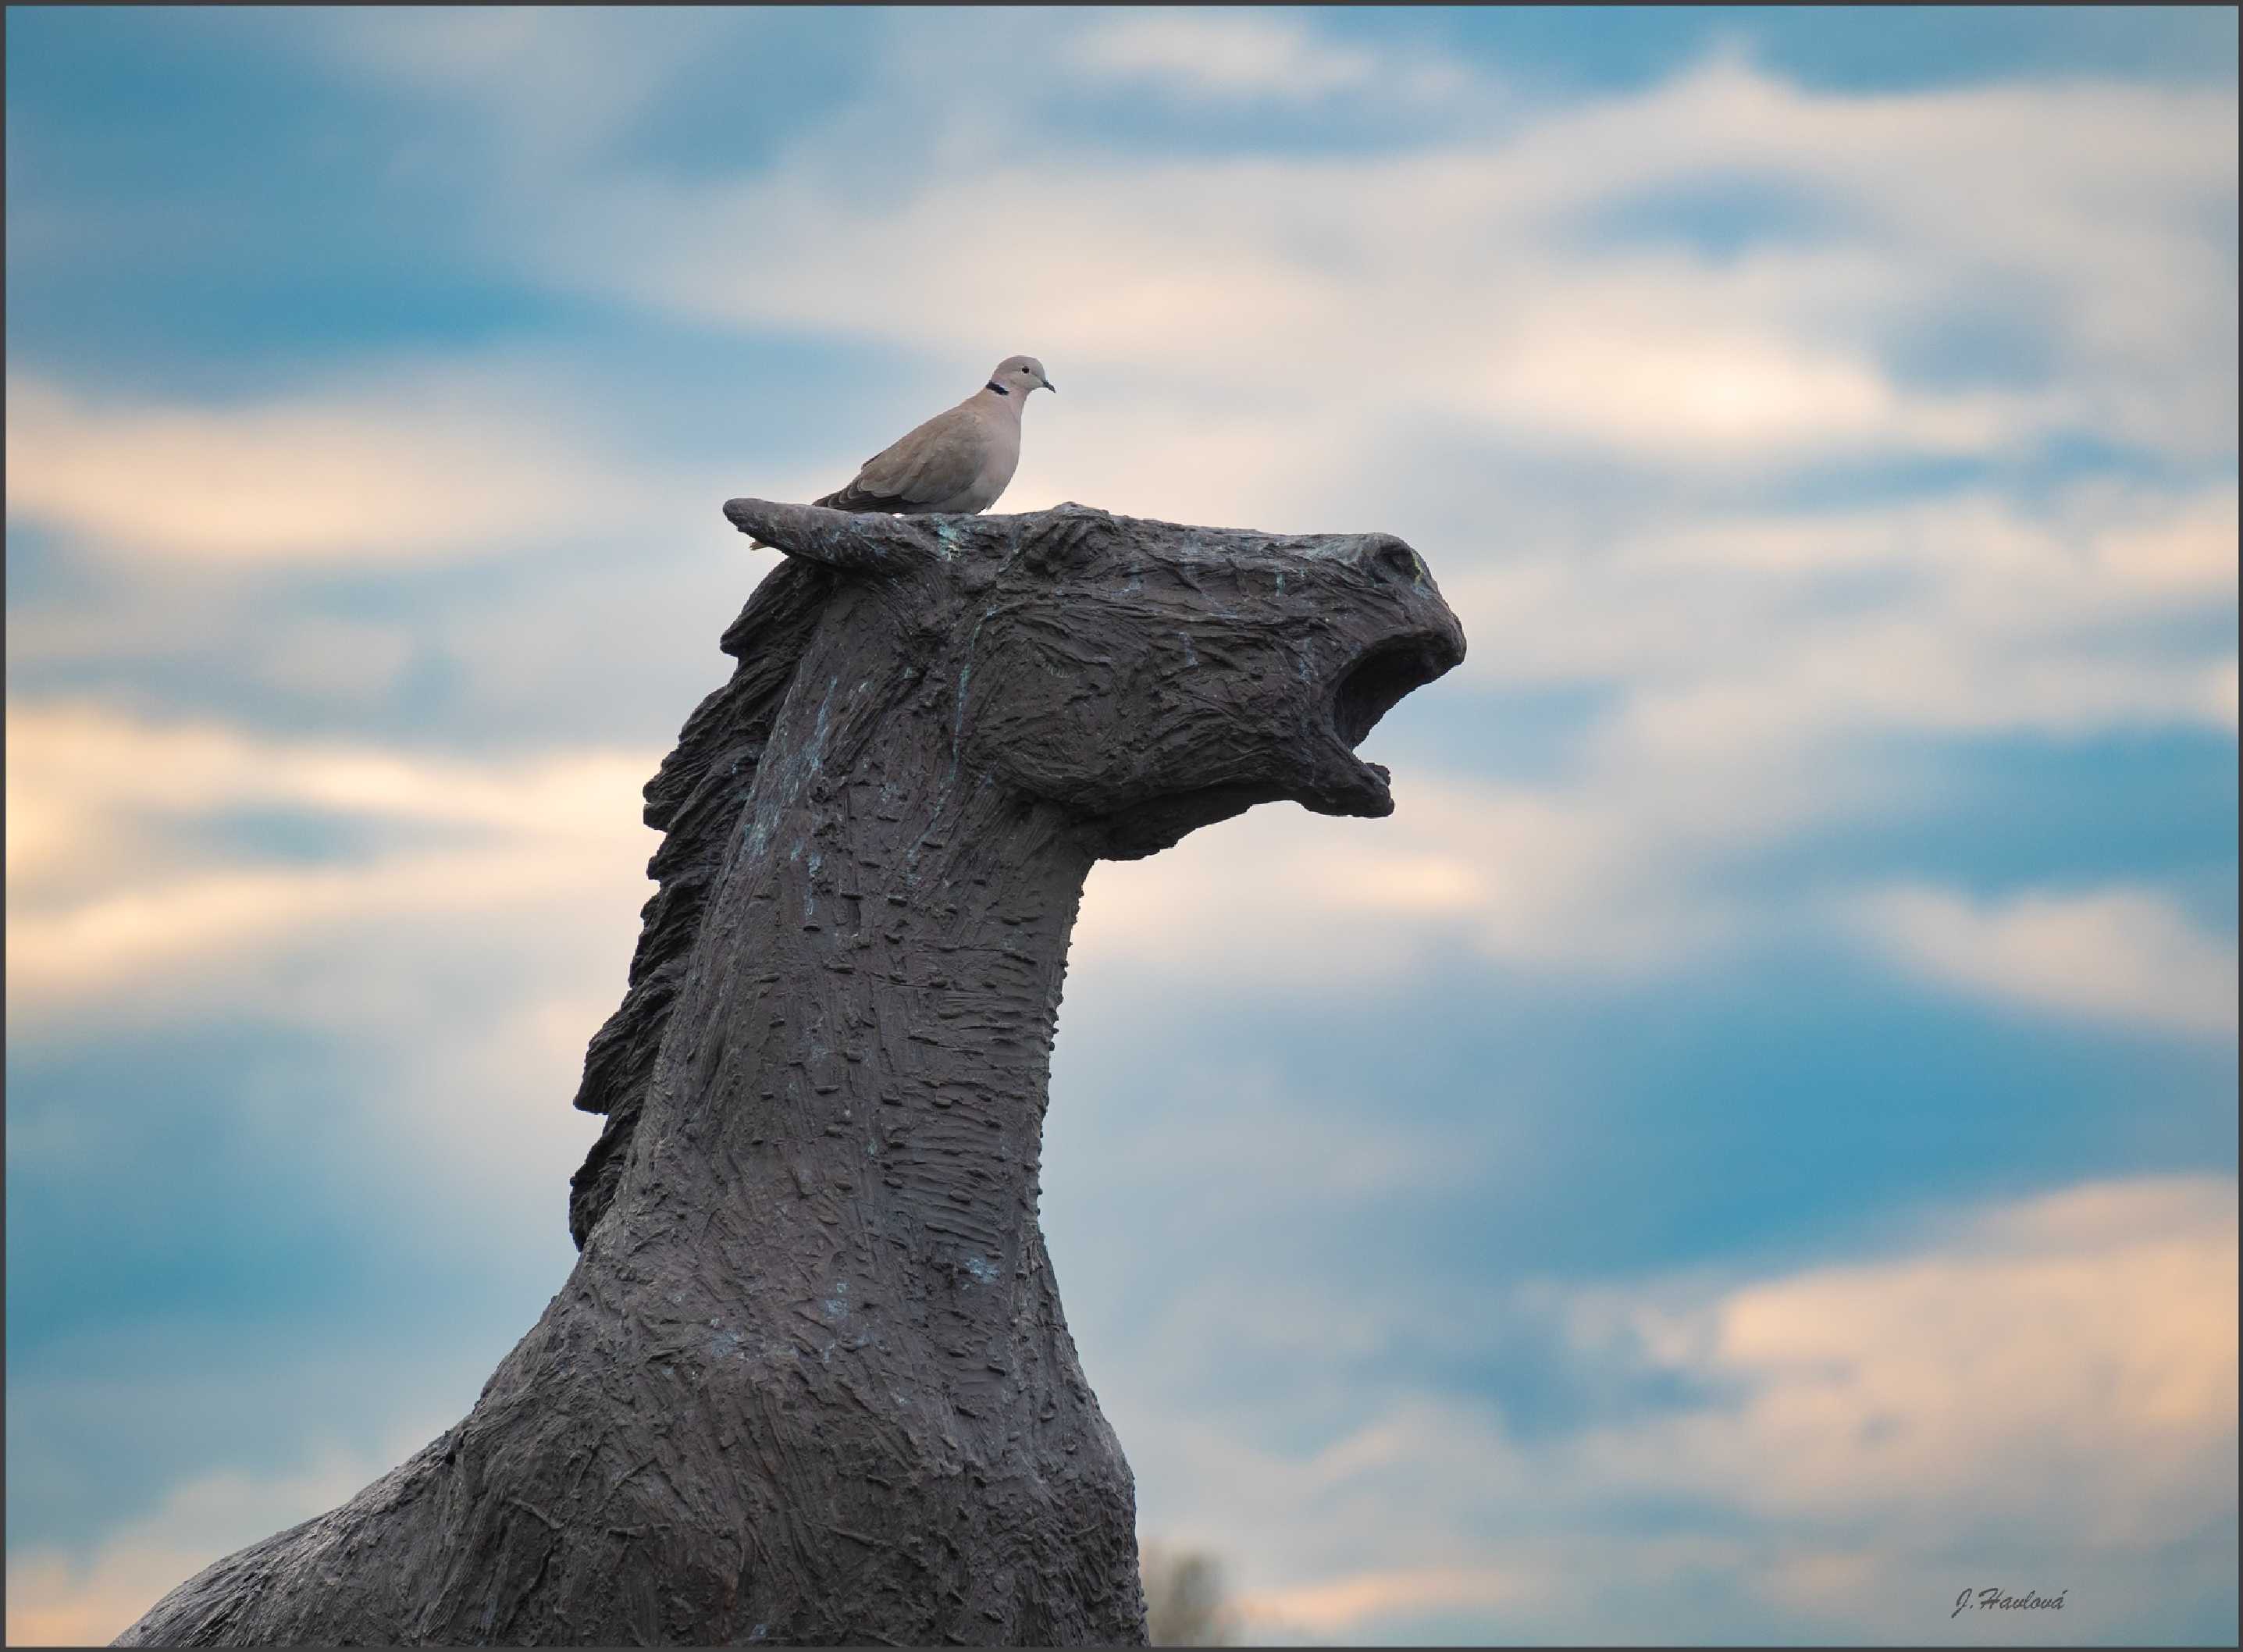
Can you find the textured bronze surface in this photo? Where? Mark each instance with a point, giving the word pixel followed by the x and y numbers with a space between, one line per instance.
pixel 809 1381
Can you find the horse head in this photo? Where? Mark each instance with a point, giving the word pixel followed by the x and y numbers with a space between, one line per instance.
pixel 1145 677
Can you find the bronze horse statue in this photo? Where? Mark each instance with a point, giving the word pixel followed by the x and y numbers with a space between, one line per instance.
pixel 808 1380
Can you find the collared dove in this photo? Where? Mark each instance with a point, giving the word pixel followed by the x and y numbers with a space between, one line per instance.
pixel 959 461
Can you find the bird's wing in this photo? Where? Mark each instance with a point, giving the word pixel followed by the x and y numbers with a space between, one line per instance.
pixel 939 461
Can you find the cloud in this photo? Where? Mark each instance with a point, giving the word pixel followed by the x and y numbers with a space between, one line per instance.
pixel 1223 54
pixel 82 755
pixel 1970 612
pixel 108 905
pixel 1565 877
pixel 549 86
pixel 2191 549
pixel 1837 1440
pixel 1334 1607
pixel 1250 55
pixel 1615 377
pixel 2121 954
pixel 2087 1332
pixel 420 462
pixel 1473 278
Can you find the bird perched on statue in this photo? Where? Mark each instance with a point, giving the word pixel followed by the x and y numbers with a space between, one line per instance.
pixel 959 461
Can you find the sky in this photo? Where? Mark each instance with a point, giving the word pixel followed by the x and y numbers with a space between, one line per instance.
pixel 1745 1153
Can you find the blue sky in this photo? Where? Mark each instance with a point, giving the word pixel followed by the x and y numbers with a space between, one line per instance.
pixel 1746 1151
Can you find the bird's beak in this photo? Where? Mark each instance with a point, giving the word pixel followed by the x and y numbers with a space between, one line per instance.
pixel 1049 385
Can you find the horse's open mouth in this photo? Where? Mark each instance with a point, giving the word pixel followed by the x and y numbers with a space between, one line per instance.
pixel 1373 686
pixel 1375 683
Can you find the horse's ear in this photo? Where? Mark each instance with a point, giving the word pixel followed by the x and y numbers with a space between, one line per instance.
pixel 856 544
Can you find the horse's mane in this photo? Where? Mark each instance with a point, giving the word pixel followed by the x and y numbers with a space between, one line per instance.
pixel 695 800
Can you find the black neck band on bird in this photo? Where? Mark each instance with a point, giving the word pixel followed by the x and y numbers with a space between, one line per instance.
pixel 998 388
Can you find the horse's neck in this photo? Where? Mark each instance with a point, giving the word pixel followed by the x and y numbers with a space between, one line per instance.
pixel 851 1099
